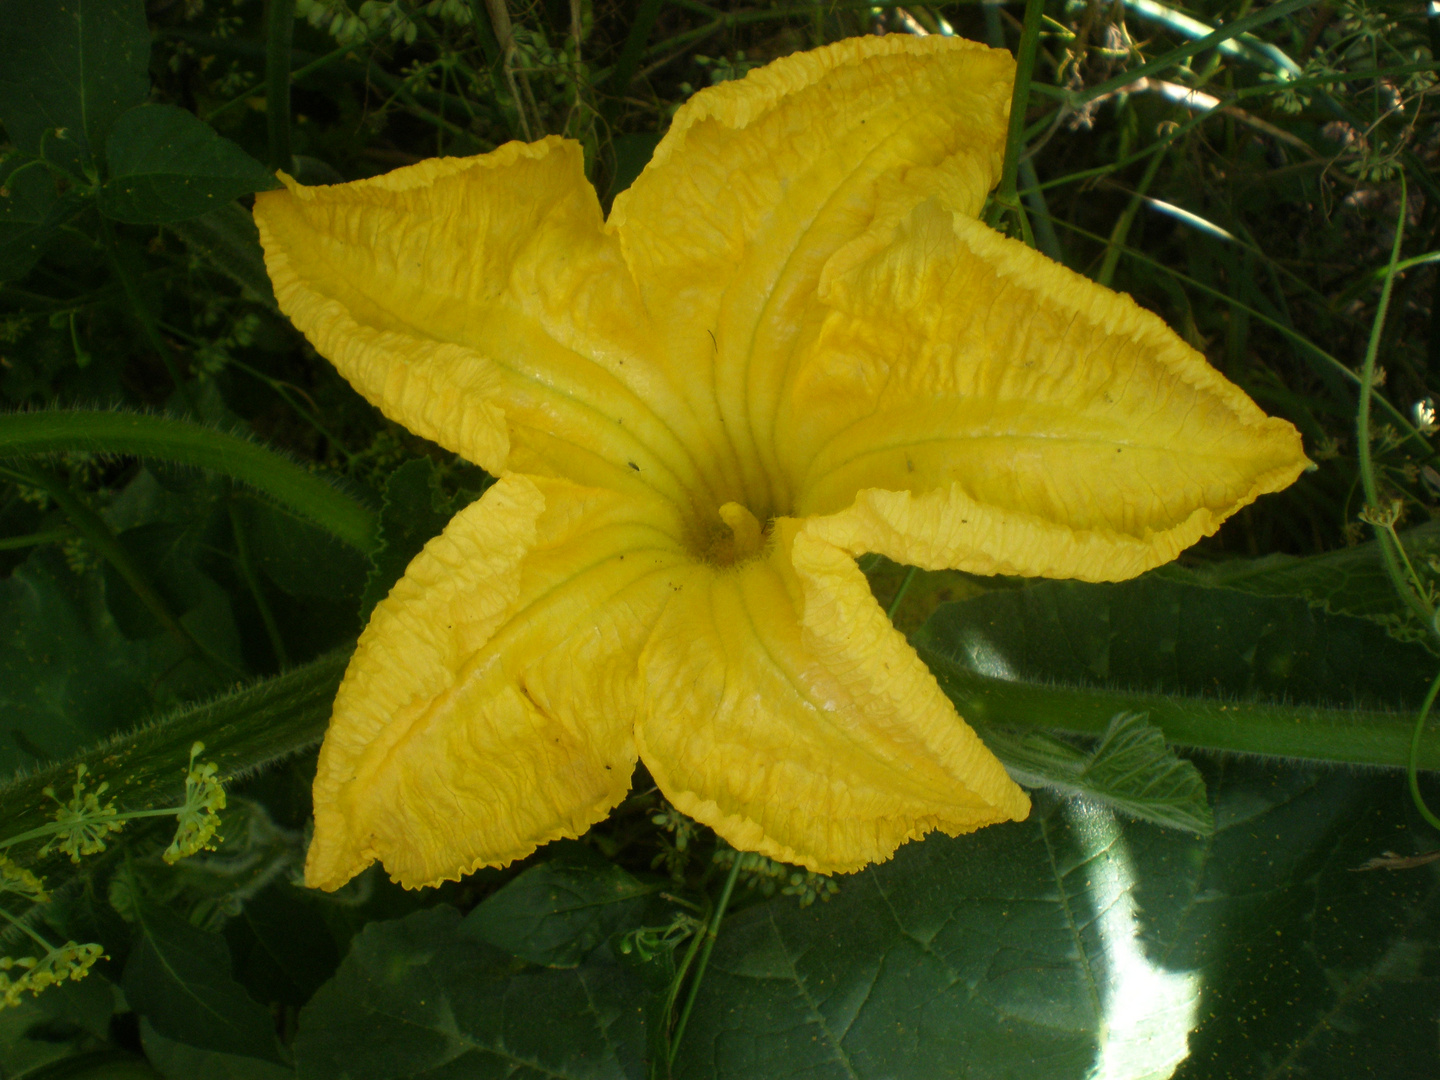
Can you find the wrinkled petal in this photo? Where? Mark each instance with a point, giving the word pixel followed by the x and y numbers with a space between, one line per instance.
pixel 760 180
pixel 479 302
pixel 489 706
pixel 985 409
pixel 783 710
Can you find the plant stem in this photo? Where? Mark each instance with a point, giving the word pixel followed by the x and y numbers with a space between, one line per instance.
pixel 494 63
pixel 1411 765
pixel 1006 200
pixel 1407 583
pixel 54 828
pixel 24 927
pixel 485 33
pixel 1121 231
pixel 1175 56
pixel 673 991
pixel 1409 590
pixel 504 31
pixel 1039 212
pixel 712 931
pixel 182 442
pixel 243 731
pixel 900 593
pixel 1278 730
pixel 13 543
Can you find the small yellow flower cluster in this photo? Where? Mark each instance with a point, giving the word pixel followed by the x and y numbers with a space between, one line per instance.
pixel 80 828
pixel 68 961
pixel 14 878
pixel 198 817
pixel 84 822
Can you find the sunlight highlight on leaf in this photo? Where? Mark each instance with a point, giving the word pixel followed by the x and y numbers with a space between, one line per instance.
pixel 1147 1010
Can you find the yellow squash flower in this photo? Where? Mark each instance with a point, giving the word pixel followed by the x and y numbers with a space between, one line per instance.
pixel 791 343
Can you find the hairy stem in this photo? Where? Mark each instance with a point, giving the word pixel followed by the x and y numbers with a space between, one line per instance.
pixel 185 443
pixel 1270 729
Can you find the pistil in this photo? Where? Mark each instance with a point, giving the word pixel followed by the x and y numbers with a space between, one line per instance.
pixel 746 529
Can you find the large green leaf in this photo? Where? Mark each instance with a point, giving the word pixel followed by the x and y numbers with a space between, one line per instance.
pixel 559 912
pixel 301 558
pixel 67 674
pixel 418 997
pixel 283 948
pixel 73 65
pixel 1188 639
pixel 180 1061
pixel 31 213
pixel 1311 967
pixel 167 165
pixel 1213 668
pixel 1130 770
pixel 1075 945
pixel 178 978
pixel 633 151
pixel 168 553
pixel 414 509
pixel 228 239
pixel 65 1020
pixel 1347 581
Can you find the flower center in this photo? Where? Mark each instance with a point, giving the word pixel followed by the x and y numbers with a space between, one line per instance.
pixel 746 539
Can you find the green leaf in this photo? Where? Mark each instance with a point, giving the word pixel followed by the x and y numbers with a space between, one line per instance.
pixel 227 238
pixel 167 165
pixel 559 912
pixel 302 558
pixel 283 947
pixel 1213 668
pixel 67 675
pixel 167 553
pixel 1075 945
pixel 418 997
pixel 1191 640
pixel 99 1065
pixel 1310 968
pixel 1347 581
pixel 74 65
pixel 54 1026
pixel 180 1061
pixel 31 213
pixel 414 510
pixel 1131 770
pixel 178 978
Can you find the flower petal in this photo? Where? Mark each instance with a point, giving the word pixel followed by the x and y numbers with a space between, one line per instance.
pixel 488 708
pixel 760 180
pixel 783 710
pixel 479 302
pixel 1015 417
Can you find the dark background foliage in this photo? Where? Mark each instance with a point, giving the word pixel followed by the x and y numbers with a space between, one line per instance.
pixel 1202 915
